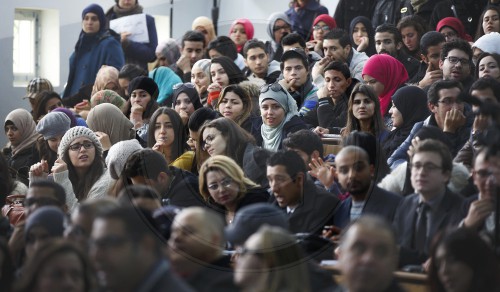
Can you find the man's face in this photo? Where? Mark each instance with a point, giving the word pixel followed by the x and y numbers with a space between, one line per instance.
pixel 189 238
pixel 368 259
pixel 448 100
pixel 354 173
pixel 113 253
pixel 484 95
pixel 40 196
pixel 257 61
pixel 385 44
pixel 427 176
pixel 485 173
pixel 193 50
pixel 294 70
pixel 456 66
pixel 432 57
pixel 286 190
pixel 336 83
pixel 335 51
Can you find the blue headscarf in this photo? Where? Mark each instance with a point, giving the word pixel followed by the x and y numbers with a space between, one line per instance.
pixel 97 10
pixel 166 79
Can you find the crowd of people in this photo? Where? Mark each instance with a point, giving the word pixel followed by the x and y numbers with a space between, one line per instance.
pixel 199 164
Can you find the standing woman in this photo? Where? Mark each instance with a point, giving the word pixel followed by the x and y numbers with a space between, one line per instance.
pixel 240 32
pixel 223 72
pixel 96 46
pixel 235 104
pixel 363 113
pixel 385 75
pixel 143 94
pixel 21 151
pixel 200 76
pixel 135 53
pixel 226 188
pixel 185 100
pixel 362 35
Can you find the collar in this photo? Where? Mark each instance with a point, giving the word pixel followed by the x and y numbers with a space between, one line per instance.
pixel 434 202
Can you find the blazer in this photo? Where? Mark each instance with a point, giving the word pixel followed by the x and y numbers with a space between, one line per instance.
pixel 379 202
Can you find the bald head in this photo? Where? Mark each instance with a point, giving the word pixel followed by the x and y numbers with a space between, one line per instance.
pixel 359 152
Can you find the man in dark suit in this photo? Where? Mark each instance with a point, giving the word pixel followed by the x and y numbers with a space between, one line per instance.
pixel 432 207
pixel 355 175
pixel 309 208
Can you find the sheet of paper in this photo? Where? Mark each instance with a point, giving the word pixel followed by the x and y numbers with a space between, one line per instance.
pixel 134 24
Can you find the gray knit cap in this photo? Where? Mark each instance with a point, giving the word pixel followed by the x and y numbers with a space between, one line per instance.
pixel 77 132
pixel 118 155
pixel 53 124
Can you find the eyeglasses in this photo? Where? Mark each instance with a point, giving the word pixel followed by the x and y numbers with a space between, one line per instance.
pixel 455 60
pixel 78 146
pixel 485 173
pixel 427 167
pixel 179 85
pixel 449 35
pixel 276 28
pixel 449 102
pixel 207 142
pixel 323 28
pixel 226 183
pixel 276 87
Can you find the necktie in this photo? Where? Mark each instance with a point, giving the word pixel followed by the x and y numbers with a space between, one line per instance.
pixel 421 227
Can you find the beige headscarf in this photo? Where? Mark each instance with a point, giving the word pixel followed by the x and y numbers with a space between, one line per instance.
pixel 109 119
pixel 207 24
pixel 107 78
pixel 23 121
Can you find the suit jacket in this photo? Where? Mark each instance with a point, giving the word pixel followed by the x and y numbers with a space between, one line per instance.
pixel 316 210
pixel 379 202
pixel 449 213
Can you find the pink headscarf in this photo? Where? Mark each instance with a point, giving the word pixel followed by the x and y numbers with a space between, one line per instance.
pixel 330 22
pixel 388 71
pixel 247 24
pixel 456 25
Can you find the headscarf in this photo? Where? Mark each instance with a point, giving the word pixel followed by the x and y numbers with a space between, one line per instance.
pixel 455 24
pixel 165 78
pixel 105 76
pixel 109 119
pixel 488 43
pixel 207 24
pixel 370 51
pixel 330 22
pixel 249 30
pixel 24 123
pixel 170 50
pixel 270 23
pixel 411 101
pixel 190 90
pixel 388 71
pixel 272 136
pixel 107 96
pixel 97 10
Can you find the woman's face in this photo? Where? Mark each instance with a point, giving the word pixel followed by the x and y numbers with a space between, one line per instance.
pixel 164 130
pixel 231 106
pixel 83 157
pixel 213 142
pixel 272 113
pixel 449 33
pixel 90 23
pixel 319 33
pixel 52 104
pixel 396 117
pixel 359 32
pixel 200 79
pixel 455 275
pixel 363 107
pixel 238 35
pixel 377 86
pixel 54 142
pixel 124 82
pixel 250 267
pixel 491 22
pixel 140 97
pixel 219 75
pixel 488 67
pixel 62 272
pixel 183 103
pixel 13 134
pixel 222 188
pixel 410 38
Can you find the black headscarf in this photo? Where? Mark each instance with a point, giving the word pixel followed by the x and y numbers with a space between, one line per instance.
pixel 370 51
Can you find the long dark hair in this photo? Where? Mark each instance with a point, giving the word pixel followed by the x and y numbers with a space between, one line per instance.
pixel 179 146
pixel 480 30
pixel 233 72
pixel 245 100
pixel 41 100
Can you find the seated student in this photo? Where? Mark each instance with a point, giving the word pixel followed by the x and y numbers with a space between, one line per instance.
pixel 412 28
pixel 165 78
pixel 330 115
pixel 294 40
pixel 455 62
pixel 241 31
pixel 204 25
pixel 259 66
pixel 431 44
pixel 452 28
pixel 35 86
pixel 167 53
pixel 175 186
pixel 309 208
pixel 235 104
pixel 320 26
pixel 362 35
pixel 143 94
pixel 224 46
pixel 487 66
pixel 192 49
pixel 197 255
pixel 432 208
pixel 486 44
pixel 44 103
pixel 278 26
pixel 115 162
pixel 200 77
pixel 45 223
pixel 223 72
pixel 307 144
pixel 52 128
pixel 127 73
pixel 185 100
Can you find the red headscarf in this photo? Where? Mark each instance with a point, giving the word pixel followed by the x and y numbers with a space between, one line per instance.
pixel 247 24
pixel 456 25
pixel 388 71
pixel 330 22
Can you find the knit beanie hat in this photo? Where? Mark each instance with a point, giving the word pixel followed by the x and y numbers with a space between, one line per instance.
pixel 145 83
pixel 53 124
pixel 488 43
pixel 97 10
pixel 50 218
pixel 77 132
pixel 118 155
